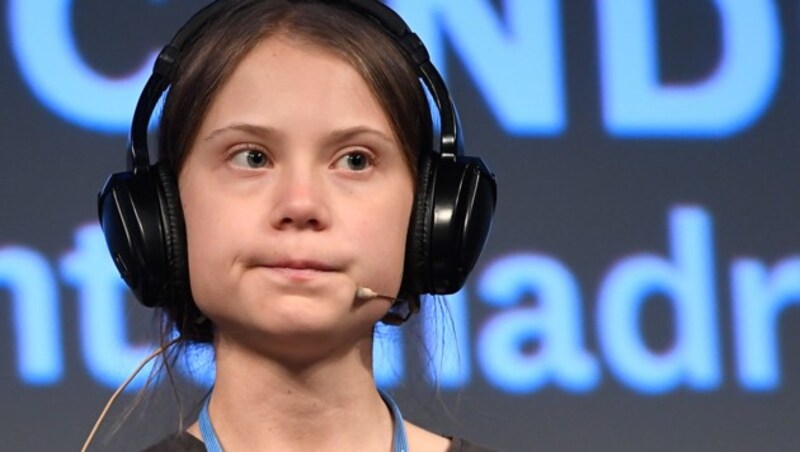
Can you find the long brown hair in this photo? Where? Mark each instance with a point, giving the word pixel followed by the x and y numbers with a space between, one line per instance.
pixel 211 58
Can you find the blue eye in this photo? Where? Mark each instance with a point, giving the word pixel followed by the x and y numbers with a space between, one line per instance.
pixel 250 158
pixel 354 161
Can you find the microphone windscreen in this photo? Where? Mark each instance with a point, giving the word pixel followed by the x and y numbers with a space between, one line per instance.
pixel 365 293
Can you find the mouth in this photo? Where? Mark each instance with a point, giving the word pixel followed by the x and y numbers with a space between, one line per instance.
pixel 302 265
pixel 300 270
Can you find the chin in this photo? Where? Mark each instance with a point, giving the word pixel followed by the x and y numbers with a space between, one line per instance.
pixel 300 332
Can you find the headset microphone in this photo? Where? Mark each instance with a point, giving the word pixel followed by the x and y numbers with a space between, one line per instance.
pixel 400 311
pixel 365 293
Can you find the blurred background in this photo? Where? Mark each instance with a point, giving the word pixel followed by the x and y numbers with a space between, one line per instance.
pixel 639 288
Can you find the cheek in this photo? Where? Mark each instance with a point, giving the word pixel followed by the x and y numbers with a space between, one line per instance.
pixel 208 234
pixel 200 233
pixel 382 237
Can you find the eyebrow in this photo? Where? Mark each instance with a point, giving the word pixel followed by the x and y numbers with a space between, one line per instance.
pixel 351 132
pixel 335 136
pixel 250 129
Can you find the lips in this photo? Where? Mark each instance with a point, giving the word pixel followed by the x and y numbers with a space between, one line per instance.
pixel 299 271
pixel 302 265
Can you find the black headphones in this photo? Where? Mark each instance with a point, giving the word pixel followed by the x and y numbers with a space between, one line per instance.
pixel 142 219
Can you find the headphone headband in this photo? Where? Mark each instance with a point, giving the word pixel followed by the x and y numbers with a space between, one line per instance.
pixel 390 21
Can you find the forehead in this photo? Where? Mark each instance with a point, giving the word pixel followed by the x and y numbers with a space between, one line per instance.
pixel 283 79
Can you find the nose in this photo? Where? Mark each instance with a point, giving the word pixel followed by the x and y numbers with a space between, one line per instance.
pixel 301 200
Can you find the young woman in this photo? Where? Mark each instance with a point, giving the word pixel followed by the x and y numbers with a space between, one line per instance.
pixel 300 197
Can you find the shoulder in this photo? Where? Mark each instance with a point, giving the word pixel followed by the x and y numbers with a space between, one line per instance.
pixel 183 442
pixel 462 445
pixel 423 440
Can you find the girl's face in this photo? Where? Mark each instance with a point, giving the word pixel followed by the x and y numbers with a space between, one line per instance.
pixel 295 191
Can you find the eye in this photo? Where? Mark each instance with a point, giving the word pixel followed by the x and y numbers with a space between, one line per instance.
pixel 354 161
pixel 250 158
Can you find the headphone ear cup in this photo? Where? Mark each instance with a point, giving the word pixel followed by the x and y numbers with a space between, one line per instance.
pixel 129 213
pixel 418 242
pixel 176 287
pixel 142 220
pixel 464 197
pixel 450 223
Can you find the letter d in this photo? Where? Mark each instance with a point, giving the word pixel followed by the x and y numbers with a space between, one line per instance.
pixel 688 283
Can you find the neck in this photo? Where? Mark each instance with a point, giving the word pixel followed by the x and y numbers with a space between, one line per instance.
pixel 262 403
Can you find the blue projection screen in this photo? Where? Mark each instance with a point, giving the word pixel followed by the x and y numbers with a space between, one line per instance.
pixel 639 288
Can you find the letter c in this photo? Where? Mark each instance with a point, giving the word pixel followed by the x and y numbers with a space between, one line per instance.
pixel 50 63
